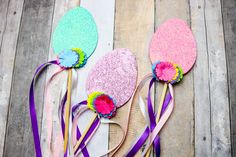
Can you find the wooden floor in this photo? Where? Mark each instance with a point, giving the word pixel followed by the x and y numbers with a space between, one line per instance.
pixel 204 120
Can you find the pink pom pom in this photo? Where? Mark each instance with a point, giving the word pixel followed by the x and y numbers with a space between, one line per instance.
pixel 105 106
pixel 165 71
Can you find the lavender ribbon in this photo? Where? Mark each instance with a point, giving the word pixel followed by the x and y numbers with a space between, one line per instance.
pixel 63 102
pixel 94 125
pixel 137 146
pixel 33 115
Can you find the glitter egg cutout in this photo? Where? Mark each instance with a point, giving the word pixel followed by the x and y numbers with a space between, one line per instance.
pixel 76 29
pixel 115 74
pixel 174 42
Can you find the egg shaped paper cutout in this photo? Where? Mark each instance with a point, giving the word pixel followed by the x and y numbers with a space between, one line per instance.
pixel 174 42
pixel 115 74
pixel 76 29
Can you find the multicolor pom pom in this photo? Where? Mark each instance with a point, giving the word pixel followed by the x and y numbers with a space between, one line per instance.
pixel 72 58
pixel 82 57
pixel 102 103
pixel 167 72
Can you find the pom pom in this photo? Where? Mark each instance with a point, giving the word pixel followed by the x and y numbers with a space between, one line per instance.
pixel 91 98
pixel 167 72
pixel 82 57
pixel 103 104
pixel 75 58
pixel 68 58
pixel 179 75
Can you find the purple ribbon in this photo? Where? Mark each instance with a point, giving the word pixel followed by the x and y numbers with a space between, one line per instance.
pixel 152 118
pixel 151 113
pixel 137 146
pixel 78 134
pixel 139 143
pixel 33 115
pixel 63 102
pixel 89 133
pixel 94 125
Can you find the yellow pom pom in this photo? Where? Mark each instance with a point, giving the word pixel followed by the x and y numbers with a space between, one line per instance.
pixel 91 98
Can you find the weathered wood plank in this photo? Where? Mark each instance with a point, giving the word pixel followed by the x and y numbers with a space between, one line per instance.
pixel 3 17
pixel 229 19
pixel 32 49
pixel 8 40
pixel 201 82
pixel 177 137
pixel 105 21
pixel 220 122
pixel 51 137
pixel 134 27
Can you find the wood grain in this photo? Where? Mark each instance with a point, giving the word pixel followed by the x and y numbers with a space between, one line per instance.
pixel 229 20
pixel 178 133
pixel 8 41
pixel 134 26
pixel 32 46
pixel 201 81
pixel 220 122
pixel 3 17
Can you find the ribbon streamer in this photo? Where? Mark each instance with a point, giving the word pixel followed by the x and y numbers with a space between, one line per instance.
pixel 152 133
pixel 33 115
pixel 157 119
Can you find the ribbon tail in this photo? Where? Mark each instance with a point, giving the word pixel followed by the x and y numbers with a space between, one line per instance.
pixel 79 144
pixel 156 142
pixel 163 119
pixel 48 111
pixel 33 115
pixel 78 133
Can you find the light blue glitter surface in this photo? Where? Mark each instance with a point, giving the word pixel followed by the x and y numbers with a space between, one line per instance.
pixel 76 29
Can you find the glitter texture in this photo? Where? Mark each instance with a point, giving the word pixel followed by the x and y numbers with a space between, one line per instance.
pixel 174 42
pixel 115 74
pixel 76 29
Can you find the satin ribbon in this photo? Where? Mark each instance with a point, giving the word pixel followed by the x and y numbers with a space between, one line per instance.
pixel 152 118
pixel 33 115
pixel 91 131
pixel 48 110
pixel 144 136
pixel 153 131
pixel 163 119
pixel 74 108
pixel 95 124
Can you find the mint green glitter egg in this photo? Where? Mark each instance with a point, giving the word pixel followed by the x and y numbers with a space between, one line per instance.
pixel 76 29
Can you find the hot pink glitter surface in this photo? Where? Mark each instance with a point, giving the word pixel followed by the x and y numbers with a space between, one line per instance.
pixel 115 74
pixel 173 41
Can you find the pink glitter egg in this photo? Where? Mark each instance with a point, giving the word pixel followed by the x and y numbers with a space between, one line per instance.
pixel 115 74
pixel 174 42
